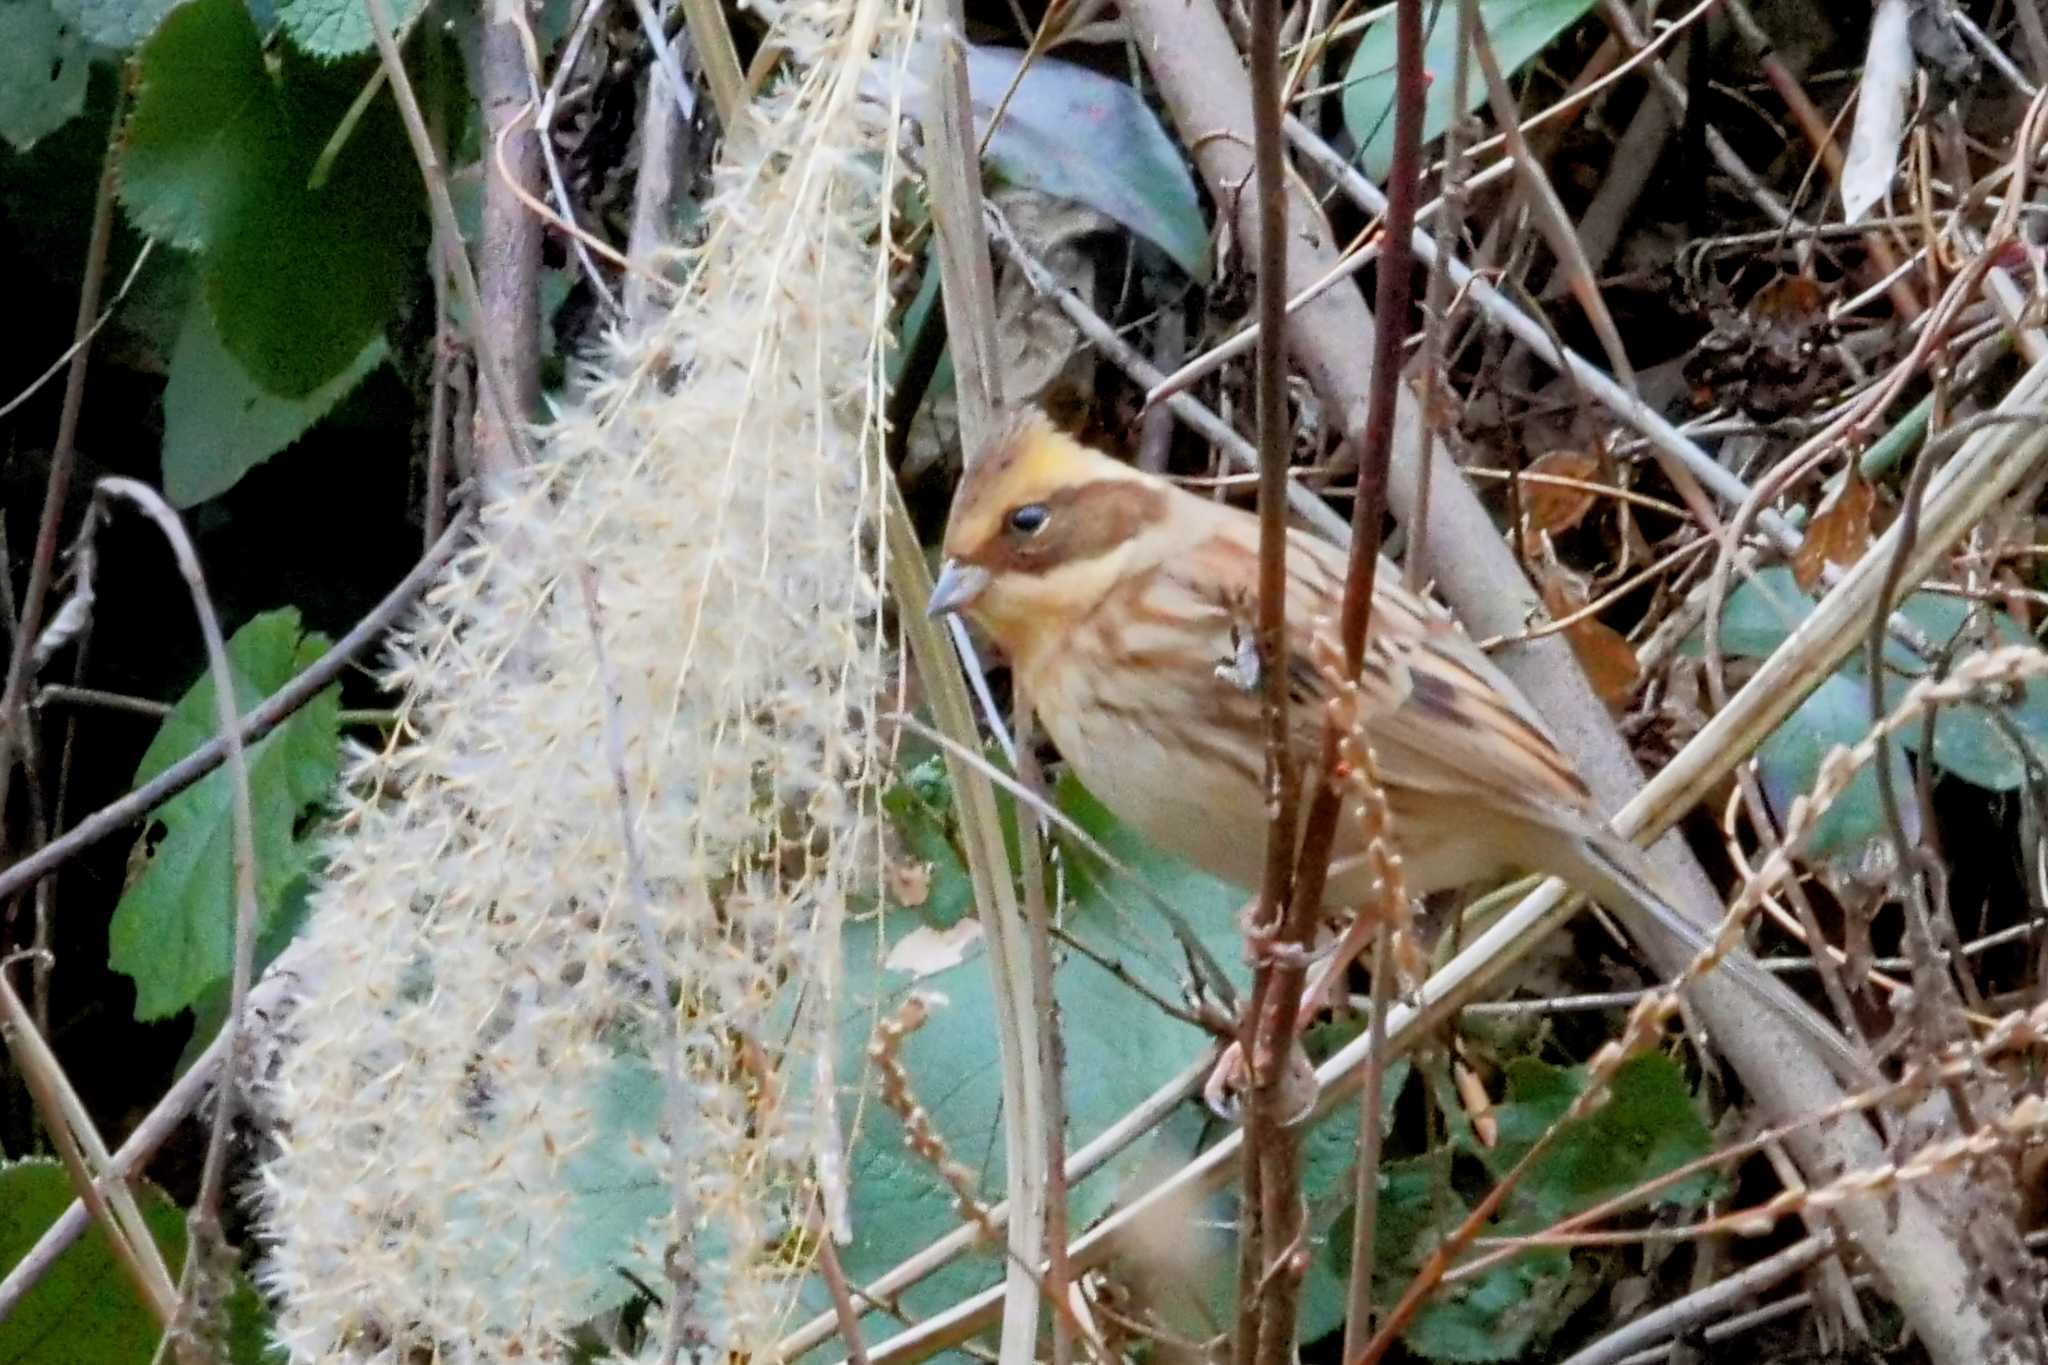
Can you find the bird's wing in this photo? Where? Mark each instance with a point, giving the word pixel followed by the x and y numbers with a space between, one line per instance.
pixel 1440 716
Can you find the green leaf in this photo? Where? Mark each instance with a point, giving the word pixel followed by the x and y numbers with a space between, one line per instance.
pixel 219 423
pixel 220 156
pixel 616 1193
pixel 42 72
pixel 1518 30
pixel 1647 1126
pixel 116 24
pixel 1977 741
pixel 1761 611
pixel 920 807
pixel 206 124
pixel 1836 712
pixel 1328 1159
pixel 86 1310
pixel 1076 134
pixel 1207 908
pixel 301 281
pixel 1498 1316
pixel 1968 741
pixel 337 28
pixel 210 1010
pixel 173 931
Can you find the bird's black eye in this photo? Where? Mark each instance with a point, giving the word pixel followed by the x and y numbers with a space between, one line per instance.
pixel 1029 519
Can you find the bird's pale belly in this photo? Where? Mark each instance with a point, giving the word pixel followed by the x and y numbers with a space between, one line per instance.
pixel 1199 808
pixel 1208 806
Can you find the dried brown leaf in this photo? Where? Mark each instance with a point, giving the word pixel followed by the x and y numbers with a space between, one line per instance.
pixel 1840 532
pixel 1608 658
pixel 1555 508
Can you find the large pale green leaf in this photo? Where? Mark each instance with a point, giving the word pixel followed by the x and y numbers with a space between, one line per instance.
pixel 42 72
pixel 1077 134
pixel 116 24
pixel 1518 29
pixel 1119 1046
pixel 219 423
pixel 173 931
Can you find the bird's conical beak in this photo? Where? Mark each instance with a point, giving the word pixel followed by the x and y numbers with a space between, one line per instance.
pixel 959 584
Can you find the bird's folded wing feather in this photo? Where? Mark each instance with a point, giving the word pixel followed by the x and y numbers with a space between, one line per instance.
pixel 1440 717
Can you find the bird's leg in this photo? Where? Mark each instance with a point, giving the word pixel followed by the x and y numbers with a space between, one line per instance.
pixel 1335 960
pixel 1230 1076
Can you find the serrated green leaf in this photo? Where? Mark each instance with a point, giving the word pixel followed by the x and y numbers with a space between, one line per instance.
pixel 42 72
pixel 1077 134
pixel 1328 1158
pixel 115 24
pixel 220 156
pixel 219 423
pixel 1517 29
pixel 337 28
pixel 173 931
pixel 206 125
pixel 1648 1125
pixel 1498 1316
pixel 301 281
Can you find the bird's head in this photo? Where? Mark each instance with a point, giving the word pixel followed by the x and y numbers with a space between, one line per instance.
pixel 1042 526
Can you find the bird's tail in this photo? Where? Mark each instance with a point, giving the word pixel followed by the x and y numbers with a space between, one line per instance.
pixel 1615 873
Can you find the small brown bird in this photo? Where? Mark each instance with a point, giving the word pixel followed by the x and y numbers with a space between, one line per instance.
pixel 1126 606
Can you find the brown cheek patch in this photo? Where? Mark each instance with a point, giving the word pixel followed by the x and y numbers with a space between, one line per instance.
pixel 1085 521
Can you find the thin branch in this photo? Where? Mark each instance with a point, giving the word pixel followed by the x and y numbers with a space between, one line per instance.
pixel 274 711
pixel 57 488
pixel 491 366
pixel 1267 1284
pixel 151 504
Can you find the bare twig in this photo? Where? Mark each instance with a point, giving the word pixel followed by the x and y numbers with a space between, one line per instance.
pixel 170 1111
pixel 57 488
pixel 274 711
pixel 152 505
pixel 110 1201
pixel 1268 1213
pixel 492 367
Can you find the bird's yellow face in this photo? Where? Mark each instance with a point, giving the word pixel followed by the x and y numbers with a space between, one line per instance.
pixel 1041 528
